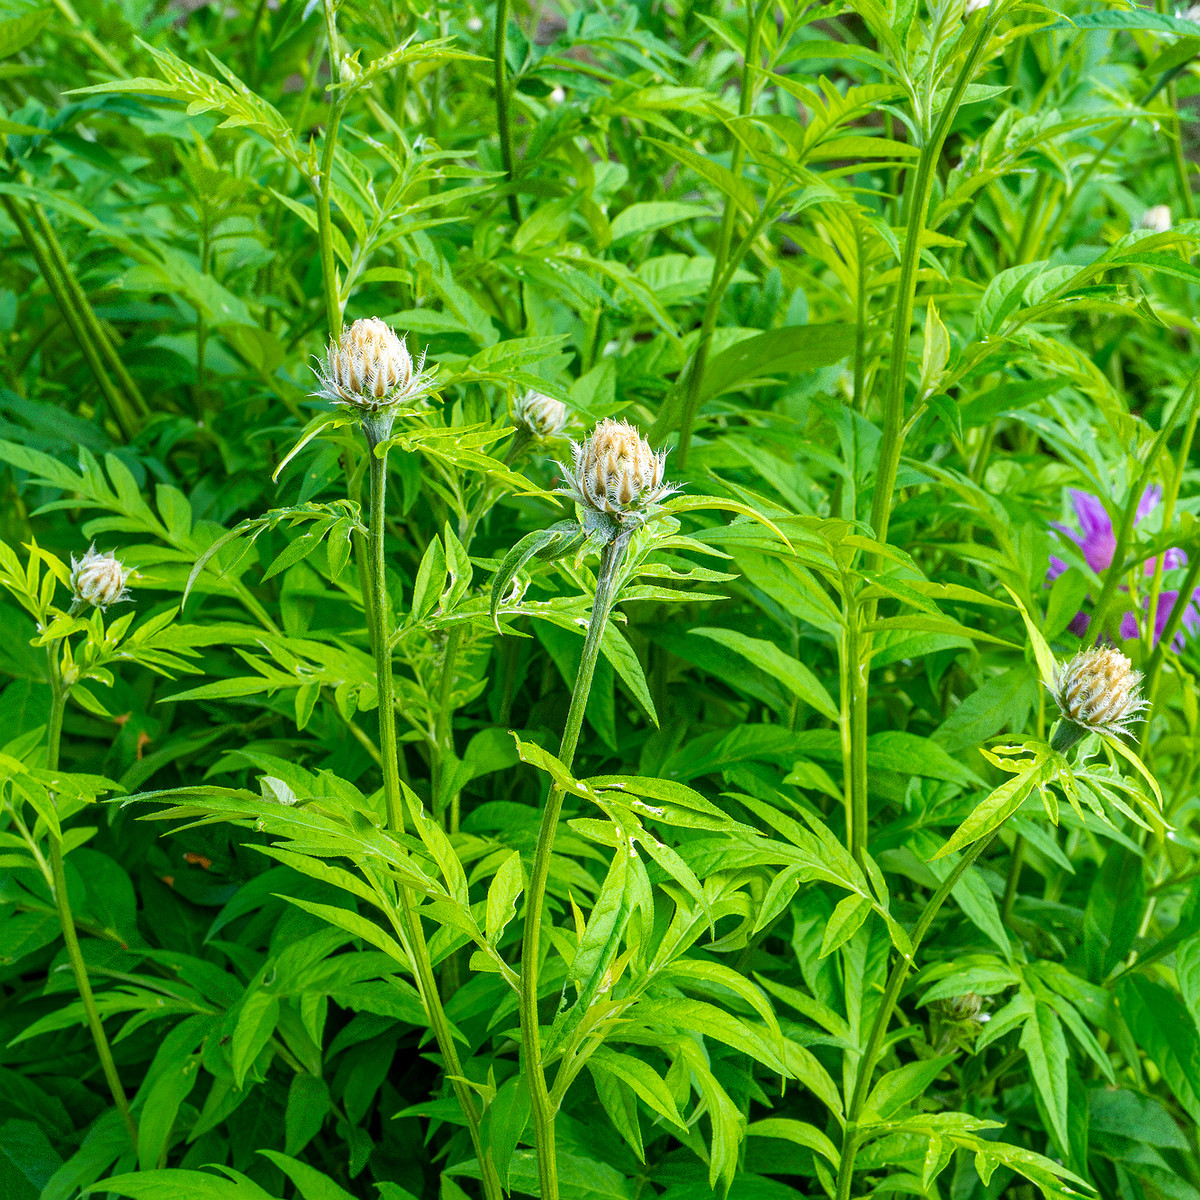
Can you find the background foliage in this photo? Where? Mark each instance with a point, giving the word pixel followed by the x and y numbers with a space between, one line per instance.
pixel 637 216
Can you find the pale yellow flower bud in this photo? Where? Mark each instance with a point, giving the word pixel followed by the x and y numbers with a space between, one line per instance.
pixel 542 416
pixel 616 473
pixel 370 369
pixel 1157 219
pixel 98 580
pixel 1097 692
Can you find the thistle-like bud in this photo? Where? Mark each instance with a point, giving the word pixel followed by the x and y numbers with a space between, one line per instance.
pixel 98 580
pixel 1096 692
pixel 617 474
pixel 1156 219
pixel 967 1007
pixel 371 370
pixel 540 416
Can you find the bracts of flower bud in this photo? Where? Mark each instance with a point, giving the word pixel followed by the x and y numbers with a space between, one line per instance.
pixel 616 477
pixel 98 580
pixel 371 372
pixel 1097 692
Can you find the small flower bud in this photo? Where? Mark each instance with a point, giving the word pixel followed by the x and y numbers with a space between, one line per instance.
pixel 541 416
pixel 98 580
pixel 616 473
pixel 1096 692
pixel 968 1007
pixel 1157 219
pixel 371 370
pixel 973 6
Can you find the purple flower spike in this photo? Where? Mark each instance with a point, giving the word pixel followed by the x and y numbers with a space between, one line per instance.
pixel 1098 543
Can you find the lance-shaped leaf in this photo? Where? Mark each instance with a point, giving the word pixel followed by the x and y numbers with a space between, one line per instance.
pixel 556 542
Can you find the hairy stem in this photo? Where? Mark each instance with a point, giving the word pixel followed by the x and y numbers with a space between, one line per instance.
pixel 62 902
pixel 896 980
pixel 535 897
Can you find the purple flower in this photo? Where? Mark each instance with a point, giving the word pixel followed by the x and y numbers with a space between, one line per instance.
pixel 1098 542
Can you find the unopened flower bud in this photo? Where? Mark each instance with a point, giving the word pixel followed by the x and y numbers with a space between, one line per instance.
pixel 98 580
pixel 616 473
pixel 973 6
pixel 371 370
pixel 1157 219
pixel 541 416
pixel 1096 692
pixel 968 1007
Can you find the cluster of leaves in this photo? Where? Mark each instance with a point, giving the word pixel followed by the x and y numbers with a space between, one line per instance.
pixel 633 215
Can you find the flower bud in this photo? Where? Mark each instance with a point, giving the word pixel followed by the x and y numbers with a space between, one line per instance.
pixel 616 473
pixel 1156 219
pixel 371 370
pixel 1096 692
pixel 541 416
pixel 967 1007
pixel 973 6
pixel 98 580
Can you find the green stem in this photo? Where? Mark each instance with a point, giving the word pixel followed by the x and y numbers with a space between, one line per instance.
pixel 542 1109
pixel 87 314
pixel 1170 495
pixel 1069 199
pixel 324 188
pixel 502 115
pixel 712 307
pixel 1129 516
pixel 854 674
pixel 896 981
pixel 444 730
pixel 410 918
pixel 1015 862
pixel 380 643
pixel 62 902
pixel 58 289
pixel 893 413
pixel 860 321
pixel 1170 630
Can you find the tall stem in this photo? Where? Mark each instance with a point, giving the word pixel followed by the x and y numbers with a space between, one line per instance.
pixel 324 188
pixel 502 116
pixel 893 414
pixel 410 918
pixel 62 902
pixel 896 980
pixel 708 322
pixel 388 749
pixel 531 1042
pixel 1129 516
pixel 854 731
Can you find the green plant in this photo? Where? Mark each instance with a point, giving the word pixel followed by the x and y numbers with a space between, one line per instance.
pixel 605 743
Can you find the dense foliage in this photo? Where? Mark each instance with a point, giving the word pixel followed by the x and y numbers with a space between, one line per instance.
pixel 449 810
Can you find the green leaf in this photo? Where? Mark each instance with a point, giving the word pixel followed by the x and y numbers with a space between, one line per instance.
pixel 998 806
pixel 310 1183
pixel 175 1184
pixel 1045 1046
pixel 502 896
pixel 792 350
pixel 904 1085
pixel 789 671
pixel 1162 1026
pixel 798 1132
